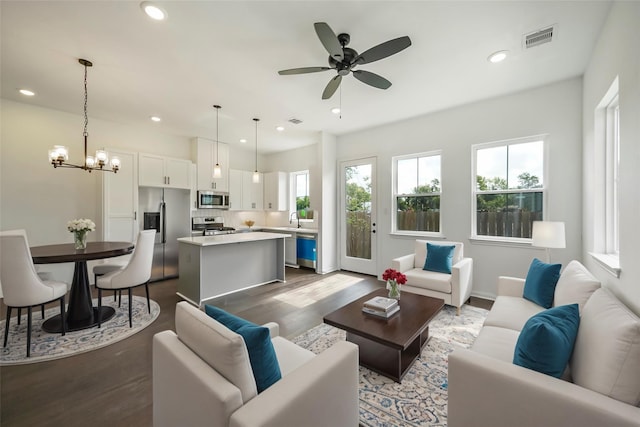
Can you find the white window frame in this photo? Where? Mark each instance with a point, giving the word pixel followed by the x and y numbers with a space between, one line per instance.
pixel 474 190
pixel 293 179
pixel 394 196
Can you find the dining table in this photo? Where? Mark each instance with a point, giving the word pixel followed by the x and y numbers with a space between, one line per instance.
pixel 80 313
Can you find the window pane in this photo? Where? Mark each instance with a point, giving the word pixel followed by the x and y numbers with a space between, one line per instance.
pixel 301 192
pixel 491 168
pixel 407 176
pixel 429 174
pixel 525 165
pixel 508 215
pixel 418 213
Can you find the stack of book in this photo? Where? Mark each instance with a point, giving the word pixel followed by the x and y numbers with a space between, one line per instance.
pixel 381 307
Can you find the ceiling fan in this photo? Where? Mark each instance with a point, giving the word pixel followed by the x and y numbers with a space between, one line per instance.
pixel 343 59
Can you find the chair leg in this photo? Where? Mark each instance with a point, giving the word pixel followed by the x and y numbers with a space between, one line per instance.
pixel 42 309
pixel 457 311
pixel 6 326
pixel 115 295
pixel 130 308
pixel 99 307
pixel 19 314
pixel 119 297
pixel 28 331
pixel 146 288
pixel 62 316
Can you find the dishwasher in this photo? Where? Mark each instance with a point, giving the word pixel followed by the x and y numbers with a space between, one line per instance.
pixel 306 250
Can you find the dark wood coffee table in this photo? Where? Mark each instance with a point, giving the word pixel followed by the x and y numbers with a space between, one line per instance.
pixel 388 346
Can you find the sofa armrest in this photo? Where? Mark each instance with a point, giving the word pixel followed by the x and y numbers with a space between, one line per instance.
pixel 510 286
pixel 484 391
pixel 274 329
pixel 461 278
pixel 403 263
pixel 186 390
pixel 321 393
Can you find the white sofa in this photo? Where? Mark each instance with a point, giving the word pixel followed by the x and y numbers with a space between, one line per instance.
pixel 454 288
pixel 315 390
pixel 600 387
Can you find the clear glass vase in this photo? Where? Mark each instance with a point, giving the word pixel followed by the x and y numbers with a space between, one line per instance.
pixel 80 239
pixel 394 289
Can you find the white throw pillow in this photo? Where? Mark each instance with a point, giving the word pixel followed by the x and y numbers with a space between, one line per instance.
pixel 575 286
pixel 223 349
pixel 606 356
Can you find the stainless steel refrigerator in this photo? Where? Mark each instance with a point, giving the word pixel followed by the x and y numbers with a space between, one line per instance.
pixel 167 211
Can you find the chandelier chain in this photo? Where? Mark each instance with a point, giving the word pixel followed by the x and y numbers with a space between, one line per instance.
pixel 86 118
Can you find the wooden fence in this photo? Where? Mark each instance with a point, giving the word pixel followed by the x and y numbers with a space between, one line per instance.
pixel 511 223
pixel 359 235
pixel 418 220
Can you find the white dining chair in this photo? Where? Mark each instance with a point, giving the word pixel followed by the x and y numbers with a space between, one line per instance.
pixel 108 267
pixel 136 273
pixel 21 285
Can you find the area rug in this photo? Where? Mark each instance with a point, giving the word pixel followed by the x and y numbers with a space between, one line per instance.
pixel 46 346
pixel 421 398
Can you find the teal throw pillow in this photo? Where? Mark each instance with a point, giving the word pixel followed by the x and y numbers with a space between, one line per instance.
pixel 546 341
pixel 262 355
pixel 439 258
pixel 540 284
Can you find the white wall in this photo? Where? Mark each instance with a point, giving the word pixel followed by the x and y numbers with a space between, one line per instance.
pixel 553 110
pixel 616 54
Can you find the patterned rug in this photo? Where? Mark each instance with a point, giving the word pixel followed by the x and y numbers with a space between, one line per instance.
pixel 46 346
pixel 421 399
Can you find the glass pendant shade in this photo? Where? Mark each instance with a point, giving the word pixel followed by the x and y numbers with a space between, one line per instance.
pixel 256 177
pixel 217 172
pixel 91 162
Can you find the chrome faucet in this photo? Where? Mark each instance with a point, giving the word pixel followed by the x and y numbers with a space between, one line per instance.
pixel 297 217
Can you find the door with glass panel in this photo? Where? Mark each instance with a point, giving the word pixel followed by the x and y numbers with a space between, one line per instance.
pixel 358 215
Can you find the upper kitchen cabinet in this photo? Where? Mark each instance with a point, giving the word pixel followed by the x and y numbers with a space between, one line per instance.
pixel 244 194
pixel 158 171
pixel 275 191
pixel 206 154
pixel 119 219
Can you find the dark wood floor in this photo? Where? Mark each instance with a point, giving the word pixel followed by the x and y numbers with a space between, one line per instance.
pixel 111 386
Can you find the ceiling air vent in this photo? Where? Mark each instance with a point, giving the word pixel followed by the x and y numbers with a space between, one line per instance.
pixel 295 121
pixel 539 37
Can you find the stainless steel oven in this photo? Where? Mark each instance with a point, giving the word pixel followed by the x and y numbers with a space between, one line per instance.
pixel 213 200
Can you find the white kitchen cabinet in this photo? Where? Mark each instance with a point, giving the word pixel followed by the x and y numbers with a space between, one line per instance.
pixel 244 194
pixel 120 200
pixel 206 154
pixel 159 171
pixel 275 191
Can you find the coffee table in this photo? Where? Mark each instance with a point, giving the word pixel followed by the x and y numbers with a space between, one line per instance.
pixel 388 346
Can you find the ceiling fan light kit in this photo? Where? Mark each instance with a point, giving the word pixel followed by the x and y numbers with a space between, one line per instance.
pixel 344 59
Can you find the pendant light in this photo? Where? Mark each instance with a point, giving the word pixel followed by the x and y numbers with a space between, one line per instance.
pixel 217 172
pixel 256 175
pixel 59 154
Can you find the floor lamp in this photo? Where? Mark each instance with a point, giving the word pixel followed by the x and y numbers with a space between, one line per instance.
pixel 548 234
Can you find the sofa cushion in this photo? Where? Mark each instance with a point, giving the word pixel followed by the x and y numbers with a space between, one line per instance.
pixel 439 258
pixel 511 312
pixel 540 284
pixel 547 339
pixel 575 285
pixel 495 342
pixel 290 356
pixel 218 346
pixel 420 252
pixel 262 355
pixel 606 358
pixel 431 280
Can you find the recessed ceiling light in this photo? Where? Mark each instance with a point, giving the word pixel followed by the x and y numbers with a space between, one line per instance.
pixel 498 56
pixel 280 128
pixel 244 141
pixel 155 118
pixel 335 110
pixel 27 92
pixel 153 11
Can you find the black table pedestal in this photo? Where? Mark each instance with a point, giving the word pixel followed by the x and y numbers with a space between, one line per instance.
pixel 52 325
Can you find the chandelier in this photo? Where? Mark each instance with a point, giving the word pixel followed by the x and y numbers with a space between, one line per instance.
pixel 59 154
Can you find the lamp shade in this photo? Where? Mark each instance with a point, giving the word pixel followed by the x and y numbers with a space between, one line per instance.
pixel 548 234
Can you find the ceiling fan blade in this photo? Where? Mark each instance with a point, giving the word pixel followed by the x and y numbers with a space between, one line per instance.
pixel 329 40
pixel 371 79
pixel 331 87
pixel 383 50
pixel 304 70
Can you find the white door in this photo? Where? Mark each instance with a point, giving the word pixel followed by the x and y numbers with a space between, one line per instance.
pixel 358 216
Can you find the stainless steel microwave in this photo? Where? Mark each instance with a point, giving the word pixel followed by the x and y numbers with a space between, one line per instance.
pixel 213 200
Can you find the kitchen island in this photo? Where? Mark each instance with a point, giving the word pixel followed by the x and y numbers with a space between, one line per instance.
pixel 212 266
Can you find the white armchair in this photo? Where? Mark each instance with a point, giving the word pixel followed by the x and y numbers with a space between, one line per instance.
pixel 200 379
pixel 454 288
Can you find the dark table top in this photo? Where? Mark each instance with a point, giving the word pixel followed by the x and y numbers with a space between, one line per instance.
pixel 66 252
pixel 416 311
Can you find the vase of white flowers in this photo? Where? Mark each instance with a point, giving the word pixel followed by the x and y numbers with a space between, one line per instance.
pixel 80 228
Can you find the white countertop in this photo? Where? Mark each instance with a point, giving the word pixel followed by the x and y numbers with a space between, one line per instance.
pixel 224 239
pixel 292 229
